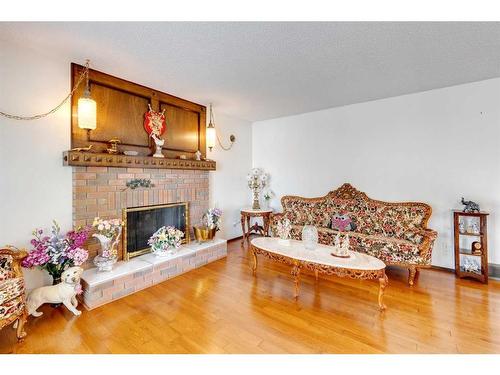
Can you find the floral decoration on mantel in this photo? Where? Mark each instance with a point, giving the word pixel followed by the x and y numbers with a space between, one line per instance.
pixel 139 182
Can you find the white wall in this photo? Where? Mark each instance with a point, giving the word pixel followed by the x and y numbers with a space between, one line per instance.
pixel 433 146
pixel 228 186
pixel 35 187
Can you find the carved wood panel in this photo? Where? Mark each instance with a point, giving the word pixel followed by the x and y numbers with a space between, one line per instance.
pixel 121 106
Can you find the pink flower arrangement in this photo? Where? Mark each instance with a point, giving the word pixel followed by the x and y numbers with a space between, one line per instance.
pixel 56 252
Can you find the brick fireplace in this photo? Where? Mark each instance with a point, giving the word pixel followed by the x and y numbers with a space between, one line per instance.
pixel 102 191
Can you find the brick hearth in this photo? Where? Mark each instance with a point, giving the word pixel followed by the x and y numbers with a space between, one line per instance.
pixel 102 191
pixel 144 271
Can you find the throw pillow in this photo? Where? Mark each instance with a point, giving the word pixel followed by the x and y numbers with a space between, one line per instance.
pixel 343 223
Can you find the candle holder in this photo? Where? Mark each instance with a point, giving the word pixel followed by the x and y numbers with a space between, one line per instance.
pixel 257 180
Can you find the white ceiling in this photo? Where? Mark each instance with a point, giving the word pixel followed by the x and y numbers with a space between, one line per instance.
pixel 257 71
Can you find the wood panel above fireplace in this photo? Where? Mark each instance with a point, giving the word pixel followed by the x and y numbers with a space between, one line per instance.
pixel 121 106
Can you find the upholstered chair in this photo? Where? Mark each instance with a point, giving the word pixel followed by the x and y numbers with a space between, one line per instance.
pixel 12 290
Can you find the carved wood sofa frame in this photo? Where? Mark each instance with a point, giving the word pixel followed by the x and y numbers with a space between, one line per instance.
pixel 22 314
pixel 348 192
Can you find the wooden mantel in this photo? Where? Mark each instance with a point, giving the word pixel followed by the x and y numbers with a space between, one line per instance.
pixel 90 159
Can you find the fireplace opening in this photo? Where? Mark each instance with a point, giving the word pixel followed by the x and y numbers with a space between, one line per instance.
pixel 141 222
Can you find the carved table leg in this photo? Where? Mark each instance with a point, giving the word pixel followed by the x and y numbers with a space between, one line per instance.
pixel 21 334
pixel 266 225
pixel 243 228
pixel 316 274
pixel 382 285
pixel 412 271
pixel 296 274
pixel 249 229
pixel 254 267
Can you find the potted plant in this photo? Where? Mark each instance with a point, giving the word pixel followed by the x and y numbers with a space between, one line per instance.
pixel 268 195
pixel 166 241
pixel 57 252
pixel 210 225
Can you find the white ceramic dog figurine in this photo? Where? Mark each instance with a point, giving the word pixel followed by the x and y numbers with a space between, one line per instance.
pixel 65 292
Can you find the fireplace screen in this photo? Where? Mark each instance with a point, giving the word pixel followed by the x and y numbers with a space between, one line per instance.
pixel 142 222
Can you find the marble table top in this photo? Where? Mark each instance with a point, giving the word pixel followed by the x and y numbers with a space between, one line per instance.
pixel 321 255
pixel 253 211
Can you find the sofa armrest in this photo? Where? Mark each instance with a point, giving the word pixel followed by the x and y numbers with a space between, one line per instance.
pixel 17 256
pixel 427 243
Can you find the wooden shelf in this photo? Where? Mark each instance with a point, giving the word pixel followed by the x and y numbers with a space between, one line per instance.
pixel 471 234
pixel 476 214
pixel 461 252
pixel 90 159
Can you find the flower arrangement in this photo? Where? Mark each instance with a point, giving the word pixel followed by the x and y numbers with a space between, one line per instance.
pixel 108 233
pixel 165 240
pixel 283 229
pixel 56 252
pixel 108 228
pixel 211 218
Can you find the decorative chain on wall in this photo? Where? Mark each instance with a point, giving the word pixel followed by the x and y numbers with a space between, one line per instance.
pixel 212 121
pixel 83 75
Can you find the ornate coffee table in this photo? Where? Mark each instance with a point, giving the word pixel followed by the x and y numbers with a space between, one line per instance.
pixel 320 260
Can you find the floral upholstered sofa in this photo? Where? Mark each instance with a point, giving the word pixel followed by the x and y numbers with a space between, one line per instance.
pixel 12 291
pixel 396 233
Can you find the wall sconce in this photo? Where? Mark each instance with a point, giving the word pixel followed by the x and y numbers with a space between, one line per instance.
pixel 87 112
pixel 212 136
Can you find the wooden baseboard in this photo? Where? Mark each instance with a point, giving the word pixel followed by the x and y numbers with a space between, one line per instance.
pixel 493 270
pixel 439 268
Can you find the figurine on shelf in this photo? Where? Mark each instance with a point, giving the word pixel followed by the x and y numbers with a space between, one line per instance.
pixel 159 144
pixel 461 227
pixel 155 125
pixel 82 149
pixel 471 265
pixel 470 206
pixel 113 146
pixel 475 228
pixel 197 155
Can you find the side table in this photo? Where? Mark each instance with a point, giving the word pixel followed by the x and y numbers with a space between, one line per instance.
pixel 247 214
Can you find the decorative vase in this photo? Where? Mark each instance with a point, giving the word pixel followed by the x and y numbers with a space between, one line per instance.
pixel 204 234
pixel 310 237
pixel 106 258
pixel 56 279
pixel 163 251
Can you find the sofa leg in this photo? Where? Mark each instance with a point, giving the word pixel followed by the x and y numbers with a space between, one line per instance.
pixel 412 275
pixel 21 334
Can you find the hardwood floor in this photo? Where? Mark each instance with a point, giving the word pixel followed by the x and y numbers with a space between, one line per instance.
pixel 222 308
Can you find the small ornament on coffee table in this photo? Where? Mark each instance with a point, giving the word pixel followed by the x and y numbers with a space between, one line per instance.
pixel 341 247
pixel 283 229
pixel 155 125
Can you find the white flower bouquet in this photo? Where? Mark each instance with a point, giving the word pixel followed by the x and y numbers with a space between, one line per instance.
pixel 166 240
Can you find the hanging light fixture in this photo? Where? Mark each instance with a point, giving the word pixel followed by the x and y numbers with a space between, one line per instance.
pixel 87 107
pixel 212 136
